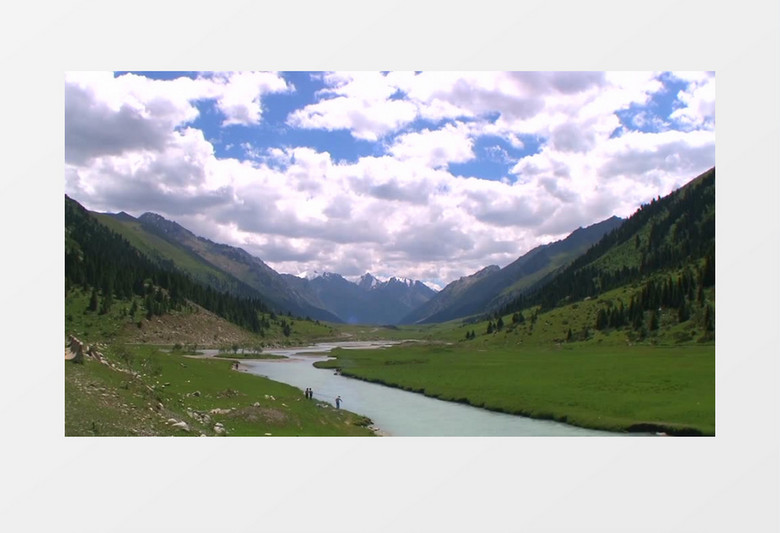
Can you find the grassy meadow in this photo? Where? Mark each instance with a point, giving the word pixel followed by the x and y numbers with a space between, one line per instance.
pixel 551 365
pixel 556 365
pixel 149 380
pixel 639 388
pixel 144 389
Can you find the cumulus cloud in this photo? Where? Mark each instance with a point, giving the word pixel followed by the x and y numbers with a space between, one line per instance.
pixel 430 242
pixel 358 102
pixel 240 98
pixel 698 110
pixel 93 128
pixel 571 137
pixel 131 143
pixel 368 104
pixel 639 154
pixel 107 115
pixel 435 149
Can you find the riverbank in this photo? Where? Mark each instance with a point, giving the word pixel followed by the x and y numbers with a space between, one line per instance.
pixel 667 390
pixel 402 413
pixel 141 391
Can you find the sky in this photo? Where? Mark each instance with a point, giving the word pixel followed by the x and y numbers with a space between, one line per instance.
pixel 423 175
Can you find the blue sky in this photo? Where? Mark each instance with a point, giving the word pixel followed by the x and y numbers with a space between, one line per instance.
pixel 425 175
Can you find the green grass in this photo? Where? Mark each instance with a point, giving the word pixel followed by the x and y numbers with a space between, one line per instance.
pixel 107 401
pixel 609 379
pixel 604 387
pixel 149 384
pixel 100 401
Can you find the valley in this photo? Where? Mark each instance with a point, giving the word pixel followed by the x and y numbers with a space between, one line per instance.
pixel 612 329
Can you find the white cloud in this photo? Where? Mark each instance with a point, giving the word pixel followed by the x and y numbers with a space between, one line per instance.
pixel 434 149
pixel 359 102
pixel 241 92
pixel 107 115
pixel 699 100
pixel 131 145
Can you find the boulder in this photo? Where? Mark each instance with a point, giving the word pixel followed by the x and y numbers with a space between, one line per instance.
pixel 75 350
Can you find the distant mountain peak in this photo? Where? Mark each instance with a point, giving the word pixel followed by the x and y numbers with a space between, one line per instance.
pixel 163 224
pixel 367 281
pixel 488 269
pixel 152 217
pixel 316 274
pixel 403 281
pixel 123 216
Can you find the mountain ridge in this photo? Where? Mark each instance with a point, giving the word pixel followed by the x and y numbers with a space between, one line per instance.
pixel 492 286
pixel 671 237
pixel 366 301
pixel 221 266
pixel 326 296
pixel 648 239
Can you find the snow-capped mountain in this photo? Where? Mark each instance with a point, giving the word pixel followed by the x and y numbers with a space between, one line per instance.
pixel 369 300
pixel 367 282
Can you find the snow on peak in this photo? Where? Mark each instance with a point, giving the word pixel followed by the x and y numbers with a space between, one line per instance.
pixel 405 281
pixel 314 274
pixel 367 281
pixel 310 275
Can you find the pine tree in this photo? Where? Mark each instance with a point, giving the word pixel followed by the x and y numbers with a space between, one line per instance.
pixel 709 317
pixel 93 301
pixel 601 321
pixel 683 312
pixel 654 321
pixel 105 306
pixel 708 271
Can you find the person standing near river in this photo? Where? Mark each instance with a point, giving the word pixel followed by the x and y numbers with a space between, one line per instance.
pixel 338 402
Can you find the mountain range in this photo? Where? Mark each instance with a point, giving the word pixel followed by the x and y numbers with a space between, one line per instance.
pixel 669 233
pixel 367 301
pixel 222 267
pixel 331 297
pixel 231 269
pixel 492 287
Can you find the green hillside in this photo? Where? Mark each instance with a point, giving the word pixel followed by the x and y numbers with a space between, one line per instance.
pixel 223 268
pixel 671 234
pixel 163 252
pixel 491 288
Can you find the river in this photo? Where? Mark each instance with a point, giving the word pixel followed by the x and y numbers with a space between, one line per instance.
pixel 394 411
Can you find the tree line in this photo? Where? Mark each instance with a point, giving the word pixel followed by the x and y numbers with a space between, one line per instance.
pixel 104 263
pixel 684 295
pixel 679 231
